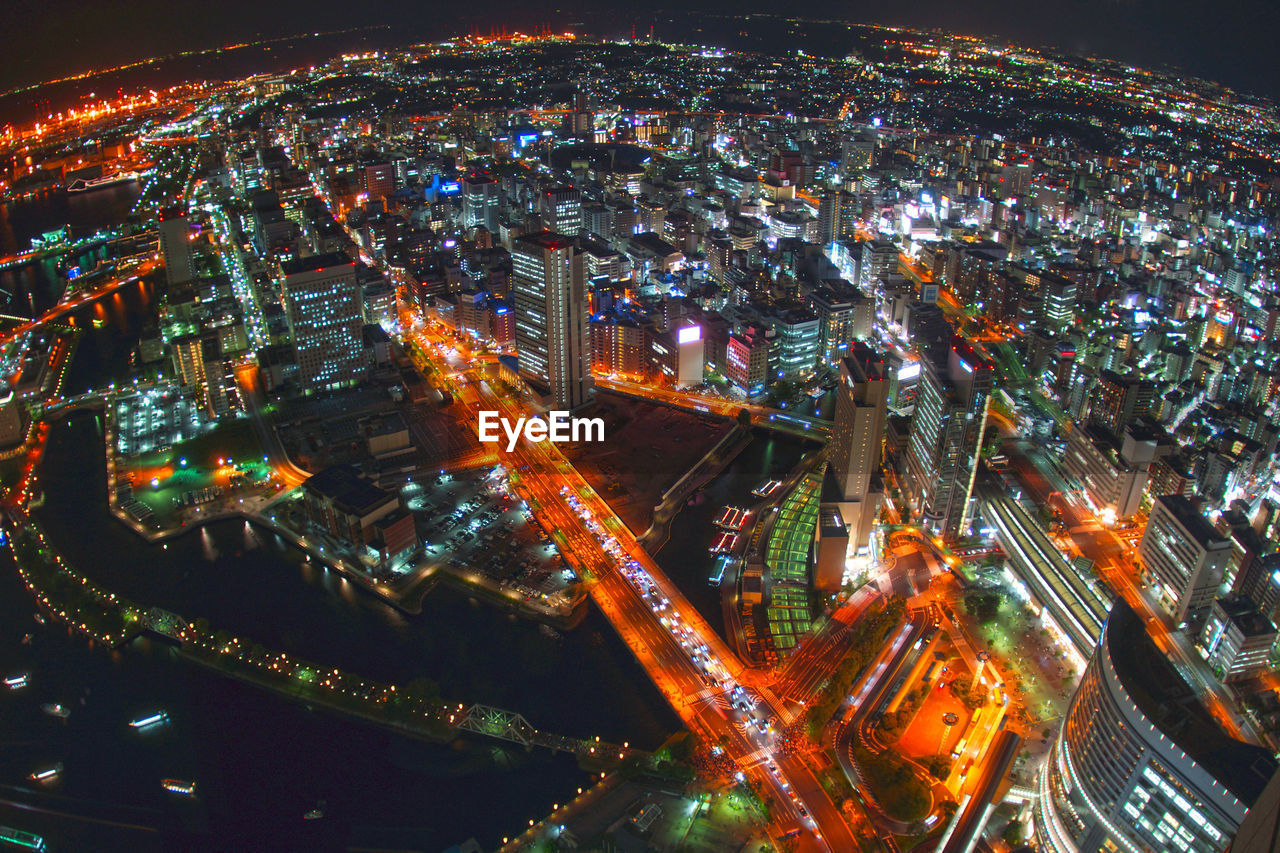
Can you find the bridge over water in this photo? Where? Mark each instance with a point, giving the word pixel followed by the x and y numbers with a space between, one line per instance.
pixel 477 719
pixel 512 727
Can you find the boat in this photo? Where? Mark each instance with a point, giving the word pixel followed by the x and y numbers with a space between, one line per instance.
pixel 53 709
pixel 16 682
pixel 723 543
pixel 49 774
pixel 717 573
pixel 21 839
pixel 179 787
pixel 767 489
pixel 80 185
pixel 156 719
pixel 732 519
pixel 316 813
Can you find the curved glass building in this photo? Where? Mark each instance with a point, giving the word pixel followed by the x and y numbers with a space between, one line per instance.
pixel 1140 766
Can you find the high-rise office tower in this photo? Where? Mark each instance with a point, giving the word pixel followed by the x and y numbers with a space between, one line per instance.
pixel 1140 766
pixel 946 435
pixel 1183 558
pixel 1260 583
pixel 562 210
pixel 480 196
pixel 1117 400
pixel 1055 299
pixel 857 438
pixel 582 121
pixel 834 216
pixel 844 313
pixel 324 310
pixel 549 296
pixel 879 258
pixel 175 246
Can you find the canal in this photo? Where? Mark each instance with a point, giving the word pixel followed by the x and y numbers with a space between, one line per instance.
pixel 245 580
pixel 684 557
pixel 261 761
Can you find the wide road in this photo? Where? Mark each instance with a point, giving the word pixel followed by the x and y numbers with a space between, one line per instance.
pixel 812 663
pixel 250 384
pixel 543 472
pixel 1117 562
pixel 869 692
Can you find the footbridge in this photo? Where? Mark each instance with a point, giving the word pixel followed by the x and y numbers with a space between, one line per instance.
pixel 514 728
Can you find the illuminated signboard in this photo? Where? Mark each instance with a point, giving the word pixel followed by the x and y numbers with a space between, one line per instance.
pixel 689 334
pixel 450 188
pixel 909 371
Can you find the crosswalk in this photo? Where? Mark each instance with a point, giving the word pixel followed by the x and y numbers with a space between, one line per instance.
pixel 751 759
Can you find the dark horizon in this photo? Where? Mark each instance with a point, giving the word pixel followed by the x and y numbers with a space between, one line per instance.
pixel 1228 42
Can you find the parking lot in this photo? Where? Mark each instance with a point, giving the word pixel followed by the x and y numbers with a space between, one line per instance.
pixel 471 523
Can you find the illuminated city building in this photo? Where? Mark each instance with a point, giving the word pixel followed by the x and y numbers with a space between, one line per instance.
pixel 879 257
pixel 857 438
pixel 618 343
pixel 793 346
pixel 549 298
pixel 480 202
pixel 359 515
pixel 1055 300
pixel 562 210
pixel 747 360
pixel 946 434
pixel 1113 470
pixel 175 246
pixel 844 314
pixel 1237 639
pixel 1183 558
pixel 324 309
pixel 1117 400
pixel 1140 766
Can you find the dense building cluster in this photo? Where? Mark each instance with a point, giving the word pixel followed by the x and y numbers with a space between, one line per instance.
pixel 941 245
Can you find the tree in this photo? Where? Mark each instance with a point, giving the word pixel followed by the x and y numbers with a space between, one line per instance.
pixel 1013 833
pixel 744 418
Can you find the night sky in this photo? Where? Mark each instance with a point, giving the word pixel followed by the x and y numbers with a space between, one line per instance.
pixel 1231 41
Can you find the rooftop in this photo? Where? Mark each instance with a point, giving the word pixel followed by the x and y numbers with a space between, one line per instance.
pixel 342 485
pixel 316 262
pixel 1186 514
pixel 1164 698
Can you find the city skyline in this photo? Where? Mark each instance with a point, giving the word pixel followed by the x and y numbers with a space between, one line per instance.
pixel 748 432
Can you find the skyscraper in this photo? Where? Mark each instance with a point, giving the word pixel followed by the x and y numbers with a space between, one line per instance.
pixel 1260 583
pixel 858 437
pixel 946 435
pixel 1183 558
pixel 562 210
pixel 1055 299
pixel 175 246
pixel 480 202
pixel 1117 400
pixel 844 313
pixel 549 295
pixel 1139 764
pixel 324 310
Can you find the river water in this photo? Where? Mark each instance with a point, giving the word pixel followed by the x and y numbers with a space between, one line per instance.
pixel 35 287
pixel 261 761
pixel 684 557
